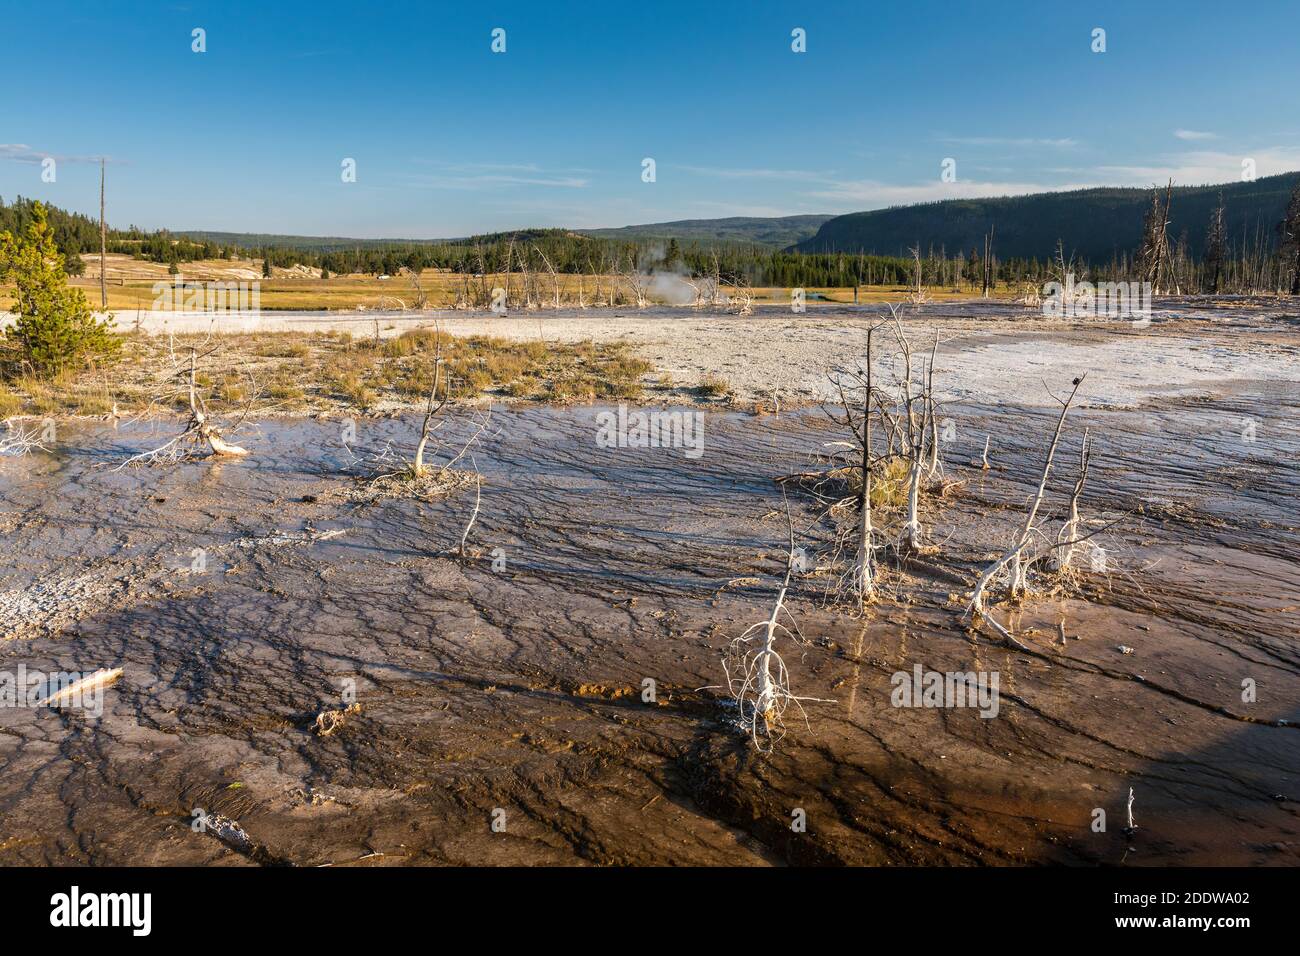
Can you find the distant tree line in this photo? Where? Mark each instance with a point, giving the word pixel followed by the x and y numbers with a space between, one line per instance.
pixel 1259 260
pixel 163 247
pixel 1263 259
pixel 72 231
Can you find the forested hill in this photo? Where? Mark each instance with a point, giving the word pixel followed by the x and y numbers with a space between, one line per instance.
pixel 779 231
pixel 1094 224
pixel 260 240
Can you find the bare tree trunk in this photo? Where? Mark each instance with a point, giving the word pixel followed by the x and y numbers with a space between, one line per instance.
pixel 420 298
pixel 103 241
pixel 915 439
pixel 769 690
pixel 1016 586
pixel 417 468
pixel 478 501
pixel 1155 240
pixel 484 298
pixel 912 529
pixel 555 282
pixel 866 583
pixel 988 260
pixel 1070 530
pixel 932 468
pixel 510 256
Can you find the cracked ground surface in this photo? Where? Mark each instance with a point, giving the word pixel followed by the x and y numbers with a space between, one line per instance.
pixel 520 689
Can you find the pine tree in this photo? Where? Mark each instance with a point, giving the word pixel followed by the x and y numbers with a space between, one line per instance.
pixel 672 256
pixel 1216 248
pixel 1290 229
pixel 266 265
pixel 54 327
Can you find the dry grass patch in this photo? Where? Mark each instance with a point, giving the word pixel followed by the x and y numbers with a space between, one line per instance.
pixel 331 371
pixel 714 386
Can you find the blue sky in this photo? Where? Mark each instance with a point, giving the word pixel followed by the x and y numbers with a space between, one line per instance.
pixel 450 138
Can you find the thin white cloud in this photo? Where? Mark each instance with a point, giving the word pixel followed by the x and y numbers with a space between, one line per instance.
pixel 1194 168
pixel 481 167
pixel 803 175
pixel 1194 134
pixel 22 153
pixel 872 194
pixel 716 209
pixel 473 182
pixel 1201 167
pixel 1023 141
pixel 485 175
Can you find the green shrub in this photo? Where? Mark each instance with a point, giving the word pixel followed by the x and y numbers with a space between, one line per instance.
pixel 55 328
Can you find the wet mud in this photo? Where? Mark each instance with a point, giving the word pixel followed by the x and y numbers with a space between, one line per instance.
pixel 243 599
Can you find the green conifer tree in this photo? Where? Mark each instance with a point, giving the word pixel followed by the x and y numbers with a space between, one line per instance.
pixel 55 328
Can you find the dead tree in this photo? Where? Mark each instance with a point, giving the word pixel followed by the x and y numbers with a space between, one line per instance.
pixel 529 280
pixel 463 296
pixel 636 283
pixel 1012 561
pixel 1016 585
pixel 597 271
pixel 1064 552
pixel 934 467
pixel 857 394
pixel 582 294
pixel 989 279
pixel 19 440
pixel 757 678
pixel 905 415
pixel 1154 252
pixel 917 296
pixel 198 431
pixel 865 577
pixel 510 258
pixel 1068 273
pixel 391 474
pixel 864 572
pixel 914 435
pixel 478 503
pixel 430 411
pixel 555 282
pixel 484 296
pixel 1063 270
pixel 103 242
pixel 421 300
pixel 742 296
